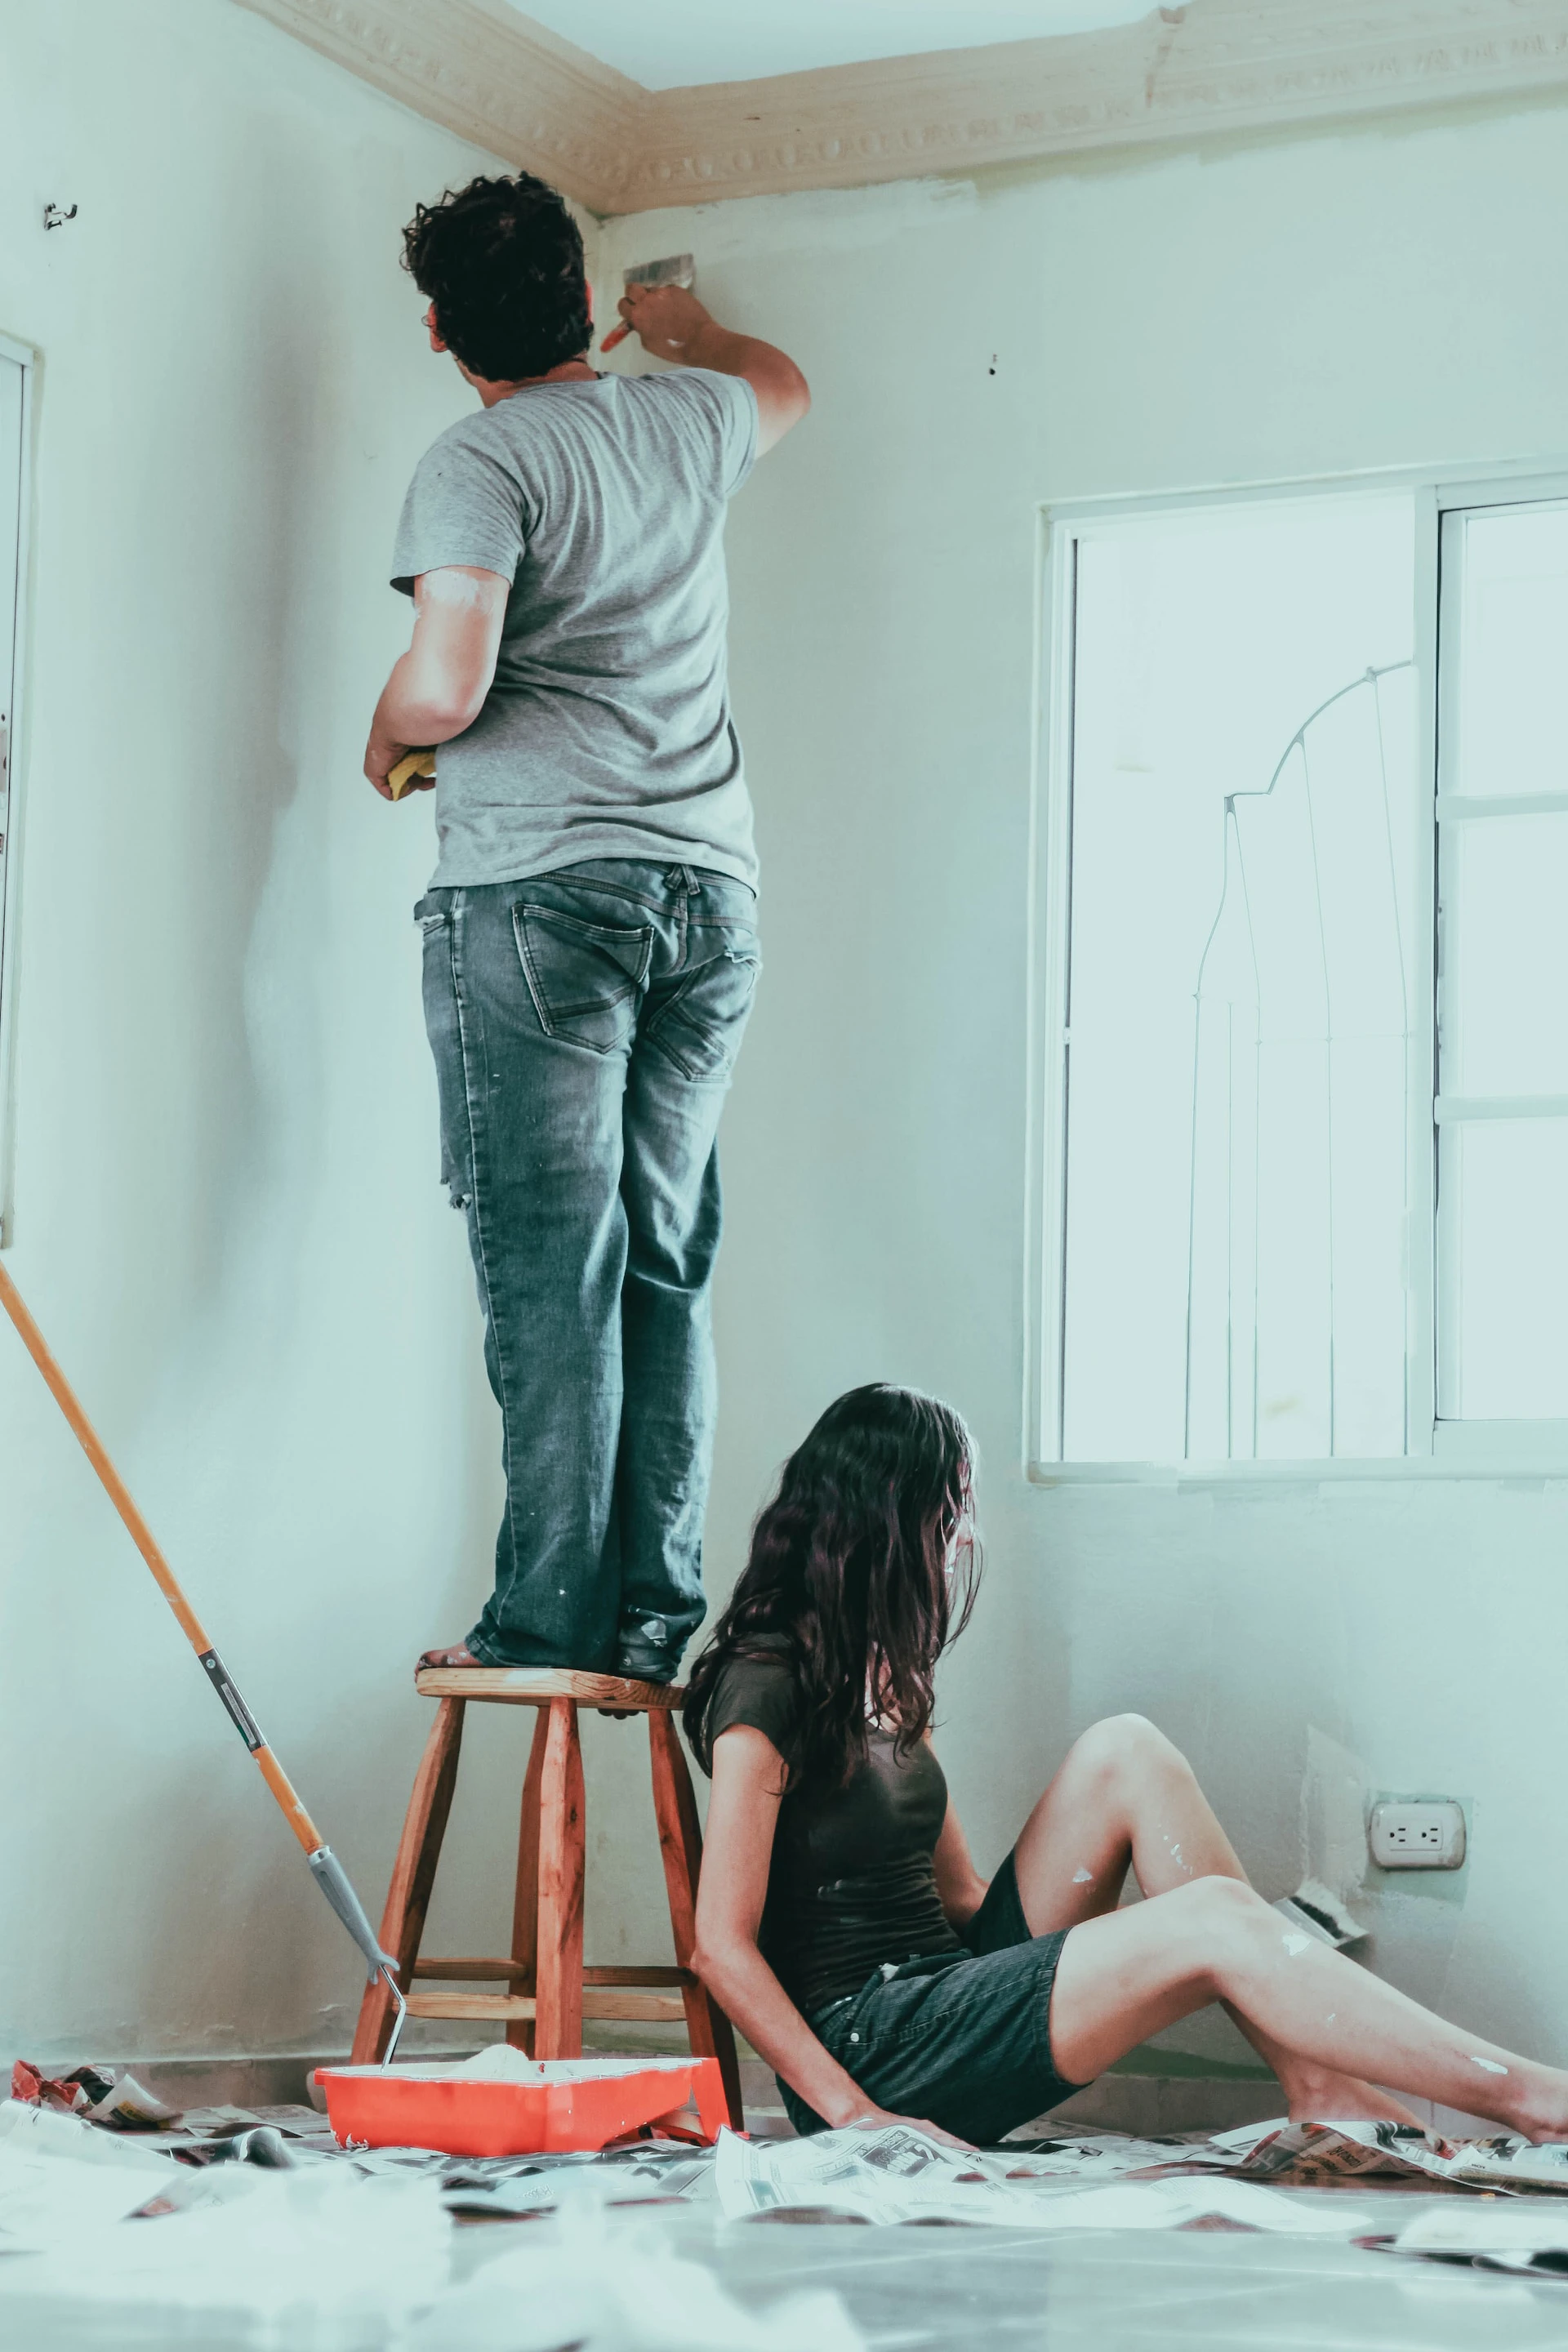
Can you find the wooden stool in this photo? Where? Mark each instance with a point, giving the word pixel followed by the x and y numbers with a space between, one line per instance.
pixel 548 1991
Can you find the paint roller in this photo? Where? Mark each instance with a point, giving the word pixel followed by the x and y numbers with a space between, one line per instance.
pixel 327 1870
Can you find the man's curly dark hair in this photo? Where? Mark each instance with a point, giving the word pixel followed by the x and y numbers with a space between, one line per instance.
pixel 502 262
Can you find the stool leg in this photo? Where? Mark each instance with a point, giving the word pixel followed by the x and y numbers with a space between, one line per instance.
pixel 680 1843
pixel 413 1875
pixel 558 2019
pixel 525 1911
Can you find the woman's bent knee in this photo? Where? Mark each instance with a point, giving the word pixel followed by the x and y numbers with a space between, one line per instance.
pixel 1227 1921
pixel 1123 1746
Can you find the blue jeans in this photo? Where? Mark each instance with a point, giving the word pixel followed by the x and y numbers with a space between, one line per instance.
pixel 585 1025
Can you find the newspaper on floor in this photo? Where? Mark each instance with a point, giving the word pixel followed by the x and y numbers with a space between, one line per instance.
pixel 589 2281
pixel 60 2176
pixel 104 2095
pixel 644 2172
pixel 897 2174
pixel 46 2198
pixel 1510 2235
pixel 1107 2155
pixel 1317 2155
pixel 276 2136
pixel 649 2175
pixel 891 2175
pixel 1317 1911
pixel 298 2259
pixel 900 2175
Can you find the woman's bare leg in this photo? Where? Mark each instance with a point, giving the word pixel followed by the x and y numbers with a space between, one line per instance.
pixel 1126 1797
pixel 1128 1974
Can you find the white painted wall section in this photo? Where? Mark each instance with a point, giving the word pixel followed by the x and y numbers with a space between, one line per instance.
pixel 1316 306
pixel 228 1213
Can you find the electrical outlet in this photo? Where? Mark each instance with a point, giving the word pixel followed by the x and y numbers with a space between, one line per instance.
pixel 1417 1833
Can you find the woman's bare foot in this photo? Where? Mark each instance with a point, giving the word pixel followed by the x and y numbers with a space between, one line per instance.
pixel 1540 2109
pixel 1318 2096
pixel 460 1654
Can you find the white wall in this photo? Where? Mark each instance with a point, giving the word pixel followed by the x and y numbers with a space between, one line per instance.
pixel 227 1211
pixel 1277 310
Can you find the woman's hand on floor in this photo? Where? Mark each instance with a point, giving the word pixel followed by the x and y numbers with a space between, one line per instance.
pixel 879 2119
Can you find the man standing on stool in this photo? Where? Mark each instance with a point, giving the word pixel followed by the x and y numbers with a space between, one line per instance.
pixel 590 935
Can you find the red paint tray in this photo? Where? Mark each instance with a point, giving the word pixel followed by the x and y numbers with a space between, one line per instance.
pixel 517 2105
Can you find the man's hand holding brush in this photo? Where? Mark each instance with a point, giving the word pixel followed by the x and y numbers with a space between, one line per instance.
pixel 672 324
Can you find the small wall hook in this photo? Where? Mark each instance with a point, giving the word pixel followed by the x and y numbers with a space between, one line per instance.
pixel 56 215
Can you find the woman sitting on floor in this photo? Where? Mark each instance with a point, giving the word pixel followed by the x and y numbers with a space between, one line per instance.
pixel 842 1923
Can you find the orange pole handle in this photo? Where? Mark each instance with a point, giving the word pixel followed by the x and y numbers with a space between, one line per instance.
pixel 91 1444
pixel 142 1536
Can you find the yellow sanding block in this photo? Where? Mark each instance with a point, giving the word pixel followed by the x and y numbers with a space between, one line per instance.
pixel 412 764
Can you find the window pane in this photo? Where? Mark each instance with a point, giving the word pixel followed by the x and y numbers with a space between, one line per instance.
pixel 1513 686
pixel 1505 955
pixel 1503 1183
pixel 1502 1256
pixel 1241 910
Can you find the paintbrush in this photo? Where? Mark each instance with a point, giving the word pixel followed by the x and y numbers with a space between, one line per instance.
pixel 676 269
pixel 412 764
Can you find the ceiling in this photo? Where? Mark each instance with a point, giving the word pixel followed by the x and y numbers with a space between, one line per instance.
pixel 843 93
pixel 675 44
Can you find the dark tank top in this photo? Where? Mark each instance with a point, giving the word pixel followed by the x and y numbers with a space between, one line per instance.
pixel 852 1883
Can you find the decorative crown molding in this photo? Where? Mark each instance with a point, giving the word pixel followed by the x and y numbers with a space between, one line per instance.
pixel 511 87
pixel 508 87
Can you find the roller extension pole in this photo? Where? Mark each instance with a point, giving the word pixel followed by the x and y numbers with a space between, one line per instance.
pixel 327 1871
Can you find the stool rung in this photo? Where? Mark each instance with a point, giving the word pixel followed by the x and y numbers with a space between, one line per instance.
pixel 629 1976
pixel 502 1971
pixel 475 2005
pixel 471 1971
pixel 655 2008
pixel 651 2007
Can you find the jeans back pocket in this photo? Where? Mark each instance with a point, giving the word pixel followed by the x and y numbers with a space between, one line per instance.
pixel 584 978
pixel 701 1023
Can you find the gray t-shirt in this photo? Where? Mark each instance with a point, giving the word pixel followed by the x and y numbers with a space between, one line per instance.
pixel 607 731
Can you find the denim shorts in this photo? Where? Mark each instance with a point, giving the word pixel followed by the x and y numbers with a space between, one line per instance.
pixel 958 2038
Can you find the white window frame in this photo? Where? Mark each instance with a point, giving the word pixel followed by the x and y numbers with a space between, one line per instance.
pixel 26 358
pixel 1434 1448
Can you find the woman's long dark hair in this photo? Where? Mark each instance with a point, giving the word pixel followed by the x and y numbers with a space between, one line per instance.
pixel 862 1568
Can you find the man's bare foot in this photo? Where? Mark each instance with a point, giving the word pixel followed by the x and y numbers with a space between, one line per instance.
pixel 1318 2096
pixel 460 1654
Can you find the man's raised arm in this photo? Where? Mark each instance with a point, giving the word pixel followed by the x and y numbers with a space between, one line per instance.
pixel 673 325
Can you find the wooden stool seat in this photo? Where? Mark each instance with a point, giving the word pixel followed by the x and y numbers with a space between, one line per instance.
pixel 535 1686
pixel 543 1991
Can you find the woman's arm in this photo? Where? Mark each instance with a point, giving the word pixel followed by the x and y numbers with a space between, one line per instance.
pixel 959 1885
pixel 743 1815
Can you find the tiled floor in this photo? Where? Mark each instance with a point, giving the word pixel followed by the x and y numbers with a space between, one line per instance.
pixel 921 2290
pixel 956 2290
